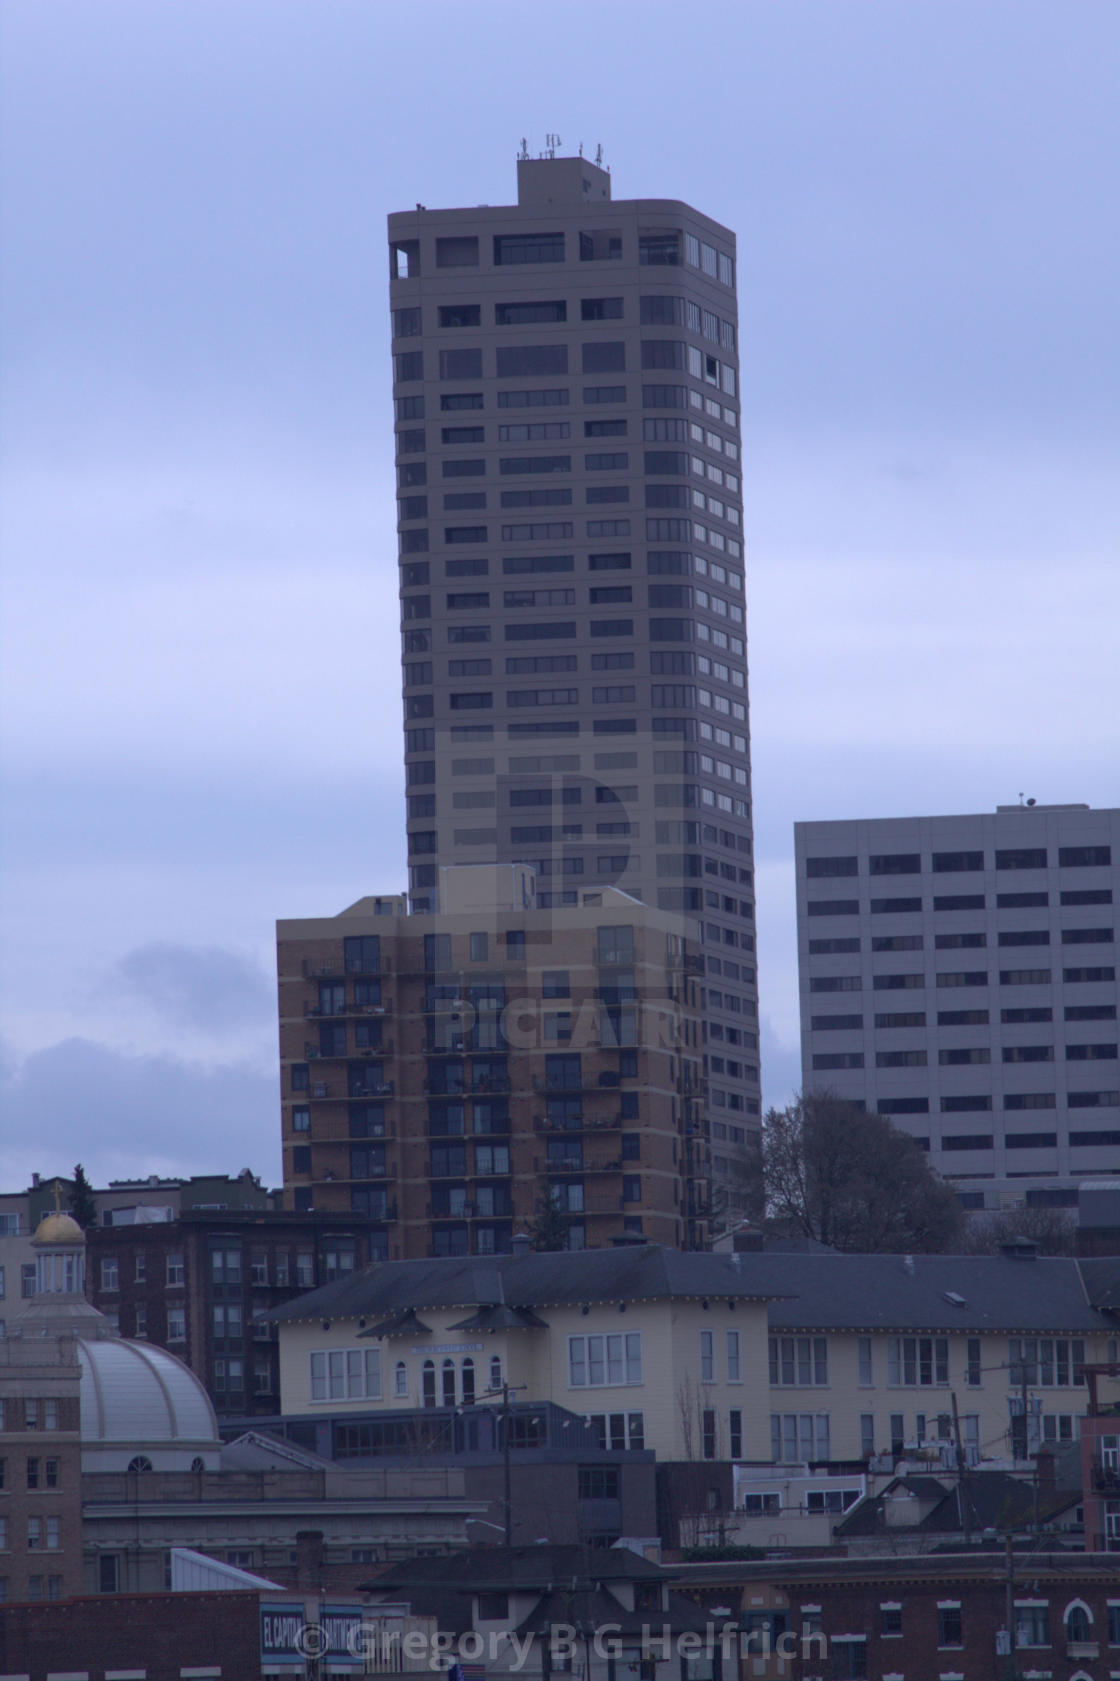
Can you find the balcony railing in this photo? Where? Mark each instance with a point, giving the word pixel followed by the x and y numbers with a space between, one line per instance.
pixel 316 1011
pixel 587 1082
pixel 589 1123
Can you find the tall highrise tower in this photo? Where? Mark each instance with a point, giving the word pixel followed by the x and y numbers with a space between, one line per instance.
pixel 566 382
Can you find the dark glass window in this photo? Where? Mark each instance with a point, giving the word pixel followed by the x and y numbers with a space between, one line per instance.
pixel 460 315
pixel 517 361
pixel 601 309
pixel 460 364
pixel 604 358
pixel 523 314
pixel 895 863
pixel 660 249
pixel 513 248
pixel 1082 856
pixel 603 245
pixel 843 866
pixel 661 311
pixel 1021 858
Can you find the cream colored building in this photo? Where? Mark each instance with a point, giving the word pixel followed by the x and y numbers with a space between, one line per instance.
pixel 771 1358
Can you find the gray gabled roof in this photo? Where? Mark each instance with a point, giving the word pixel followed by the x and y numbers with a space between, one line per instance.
pixel 540 1568
pixel 935 1293
pixel 634 1273
pixel 823 1292
pixel 996 1500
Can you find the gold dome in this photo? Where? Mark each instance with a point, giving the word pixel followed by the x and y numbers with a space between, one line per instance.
pixel 58 1228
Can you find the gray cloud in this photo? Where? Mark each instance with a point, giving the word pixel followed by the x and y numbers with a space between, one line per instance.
pixel 198 987
pixel 128 1116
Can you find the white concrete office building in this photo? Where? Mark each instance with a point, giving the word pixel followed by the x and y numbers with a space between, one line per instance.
pixel 958 974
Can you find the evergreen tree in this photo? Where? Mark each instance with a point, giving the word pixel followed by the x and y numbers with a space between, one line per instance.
pixel 549 1227
pixel 82 1206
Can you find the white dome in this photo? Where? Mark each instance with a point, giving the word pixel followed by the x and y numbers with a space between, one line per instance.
pixel 139 1401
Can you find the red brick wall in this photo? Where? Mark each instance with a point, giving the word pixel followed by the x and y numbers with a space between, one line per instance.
pixel 159 1633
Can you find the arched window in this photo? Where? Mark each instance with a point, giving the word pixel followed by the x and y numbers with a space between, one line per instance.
pixel 449 1383
pixel 1078 1621
pixel 496 1372
pixel 429 1383
pixel 468 1382
pixel 198 1464
pixel 400 1379
pixel 140 1463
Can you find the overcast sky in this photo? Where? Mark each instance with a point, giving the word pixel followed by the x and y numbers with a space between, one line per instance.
pixel 200 676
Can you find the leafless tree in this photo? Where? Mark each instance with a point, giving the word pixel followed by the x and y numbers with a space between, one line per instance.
pixel 1053 1229
pixel 852 1180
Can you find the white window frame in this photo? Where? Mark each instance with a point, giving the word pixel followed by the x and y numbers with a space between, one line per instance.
pixel 605 1360
pixel 344 1374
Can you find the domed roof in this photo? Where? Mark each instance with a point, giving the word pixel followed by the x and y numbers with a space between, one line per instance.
pixel 58 1228
pixel 140 1395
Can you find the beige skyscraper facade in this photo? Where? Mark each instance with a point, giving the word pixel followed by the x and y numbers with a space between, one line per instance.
pixel 566 387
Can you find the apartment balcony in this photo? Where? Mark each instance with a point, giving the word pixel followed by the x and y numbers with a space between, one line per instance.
pixel 338 970
pixel 384 1211
pixel 312 1053
pixel 479 1088
pixel 1106 1478
pixel 331 1091
pixel 581 1167
pixel 589 1082
pixel 316 1012
pixel 543 1165
pixel 589 1123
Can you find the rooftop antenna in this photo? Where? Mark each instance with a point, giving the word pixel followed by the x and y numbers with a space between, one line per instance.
pixel 581 148
pixel 524 152
pixel 599 155
pixel 551 142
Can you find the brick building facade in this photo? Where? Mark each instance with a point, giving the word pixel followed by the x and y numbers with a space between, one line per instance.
pixel 448 1076
pixel 193 1286
pixel 161 1637
pixel 40 1469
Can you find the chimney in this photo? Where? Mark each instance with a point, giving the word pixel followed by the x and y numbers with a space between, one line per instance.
pixel 310 1553
pixel 1020 1249
pixel 1044 1468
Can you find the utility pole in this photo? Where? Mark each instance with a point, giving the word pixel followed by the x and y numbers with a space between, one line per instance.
pixel 505 1391
pixel 964 1498
pixel 1009 1608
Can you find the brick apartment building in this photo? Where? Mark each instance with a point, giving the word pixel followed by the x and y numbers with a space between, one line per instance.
pixel 445 1077
pixel 193 1285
